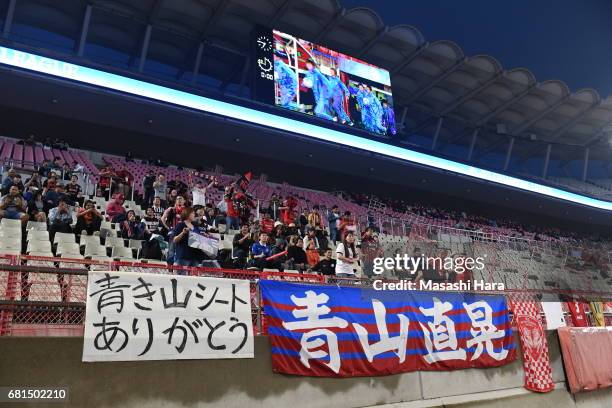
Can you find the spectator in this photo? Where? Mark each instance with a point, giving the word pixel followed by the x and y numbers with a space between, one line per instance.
pixel 327 265
pixel 160 188
pixel 73 190
pixel 303 221
pixel 261 251
pixel 151 221
pixel 311 238
pixel 184 255
pixel 66 172
pixel 53 196
pixel 51 182
pixel 147 187
pixel 273 206
pixel 77 167
pixel 158 210
pixel 347 256
pixel 266 223
pixel 121 187
pixel 312 254
pixel 132 227
pixel 172 215
pixel 346 224
pixel 45 168
pixel 370 249
pixel 13 206
pixel 12 179
pixel 88 219
pixel 178 185
pixel 36 207
pixel 34 182
pixel 199 192
pixel 287 211
pixel 241 244
pixel 171 199
pixel 114 209
pixel 60 218
pixel 296 256
pixel 314 220
pixel 333 220
pixel 232 219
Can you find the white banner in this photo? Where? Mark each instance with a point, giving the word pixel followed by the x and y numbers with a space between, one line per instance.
pixel 142 316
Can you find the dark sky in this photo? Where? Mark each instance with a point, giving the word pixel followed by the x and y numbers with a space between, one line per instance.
pixel 570 40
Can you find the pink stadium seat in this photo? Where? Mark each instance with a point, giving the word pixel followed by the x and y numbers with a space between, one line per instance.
pixel 7 150
pixel 28 157
pixel 58 153
pixel 17 155
pixel 48 154
pixel 39 156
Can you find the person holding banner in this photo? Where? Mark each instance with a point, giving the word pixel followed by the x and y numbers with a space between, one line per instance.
pixel 184 255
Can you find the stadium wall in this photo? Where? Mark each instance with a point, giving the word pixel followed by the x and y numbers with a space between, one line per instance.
pixel 56 361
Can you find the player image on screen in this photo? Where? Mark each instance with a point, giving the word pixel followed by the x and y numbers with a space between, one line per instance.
pixel 315 80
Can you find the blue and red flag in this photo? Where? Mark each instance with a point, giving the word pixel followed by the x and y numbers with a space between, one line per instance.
pixel 333 331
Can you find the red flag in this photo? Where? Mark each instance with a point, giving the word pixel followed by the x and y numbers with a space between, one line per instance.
pixel 536 364
pixel 578 313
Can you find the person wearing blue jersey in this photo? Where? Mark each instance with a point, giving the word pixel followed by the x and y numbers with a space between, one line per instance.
pixel 320 86
pixel 388 118
pixel 286 79
pixel 338 92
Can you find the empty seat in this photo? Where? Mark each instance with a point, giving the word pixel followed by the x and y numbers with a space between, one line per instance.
pixel 91 250
pixel 37 235
pixel 6 222
pixel 38 226
pixel 68 248
pixel 114 242
pixel 47 254
pixel 63 237
pixel 39 246
pixel 86 239
pixel 122 252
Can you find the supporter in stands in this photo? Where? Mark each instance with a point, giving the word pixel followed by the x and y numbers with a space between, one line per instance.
pixel 132 227
pixel 73 190
pixel 274 205
pixel 45 168
pixel 260 252
pixel 88 219
pixel 106 175
pixel 53 196
pixel 232 219
pixel 60 218
pixel 12 179
pixel 287 210
pixel 171 199
pixel 242 243
pixel 266 223
pixel 346 224
pixel 122 188
pixel 333 220
pixel 115 211
pixel 77 167
pixel 303 222
pixel 314 219
pixel 161 188
pixel 327 265
pixel 36 207
pixel 178 185
pixel 158 210
pixel 370 249
pixel 66 172
pixel 311 238
pixel 184 255
pixel 347 256
pixel 296 256
pixel 147 187
pixel 13 206
pixel 199 193
pixel 312 254
pixel 33 182
pixel 172 215
pixel 51 182
pixel 151 221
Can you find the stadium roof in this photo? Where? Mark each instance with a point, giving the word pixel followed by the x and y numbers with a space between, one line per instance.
pixel 430 79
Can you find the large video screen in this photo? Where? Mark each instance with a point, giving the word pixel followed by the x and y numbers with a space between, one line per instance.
pixel 317 81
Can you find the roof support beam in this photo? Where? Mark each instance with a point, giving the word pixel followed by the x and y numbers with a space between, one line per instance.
pixel 243 77
pixel 491 147
pixel 380 34
pixel 472 144
pixel 520 129
pixel 600 133
pixel 469 95
pixel 437 133
pixel 279 13
pixel 441 77
pixel 145 48
pixel 8 21
pixel 509 154
pixel 504 106
pixel 562 130
pixel 415 54
pixel 197 63
pixel 339 16
pixel 585 166
pixel 84 31
pixel 546 161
